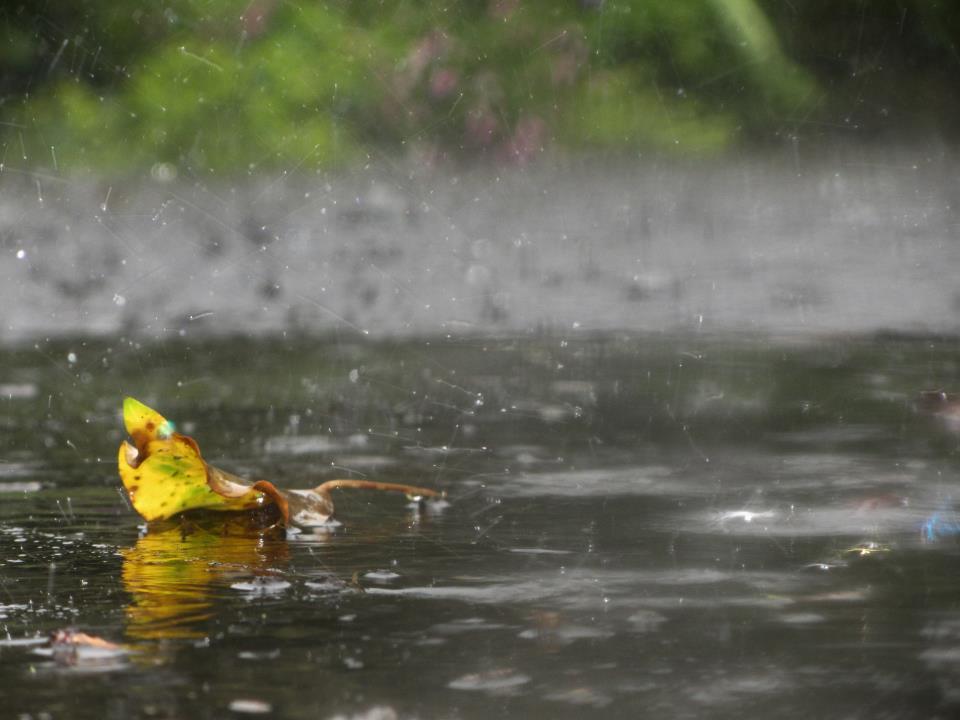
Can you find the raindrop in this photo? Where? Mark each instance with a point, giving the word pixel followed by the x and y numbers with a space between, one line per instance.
pixel 163 172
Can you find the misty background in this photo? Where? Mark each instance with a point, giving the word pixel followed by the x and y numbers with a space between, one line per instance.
pixel 404 167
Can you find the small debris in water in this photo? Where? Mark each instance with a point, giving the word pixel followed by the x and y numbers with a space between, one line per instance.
pixel 866 549
pixel 69 648
pixel 941 524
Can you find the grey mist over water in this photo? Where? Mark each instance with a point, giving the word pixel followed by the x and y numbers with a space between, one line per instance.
pixel 857 240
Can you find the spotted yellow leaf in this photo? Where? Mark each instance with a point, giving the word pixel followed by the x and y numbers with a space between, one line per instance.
pixel 163 472
pixel 165 475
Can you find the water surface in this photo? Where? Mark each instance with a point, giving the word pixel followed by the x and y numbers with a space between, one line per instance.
pixel 666 526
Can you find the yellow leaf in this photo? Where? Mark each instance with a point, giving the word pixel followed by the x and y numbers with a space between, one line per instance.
pixel 164 473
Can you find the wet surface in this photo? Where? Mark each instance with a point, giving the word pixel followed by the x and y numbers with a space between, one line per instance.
pixel 852 240
pixel 678 526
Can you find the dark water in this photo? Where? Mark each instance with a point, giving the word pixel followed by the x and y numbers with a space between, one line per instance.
pixel 656 526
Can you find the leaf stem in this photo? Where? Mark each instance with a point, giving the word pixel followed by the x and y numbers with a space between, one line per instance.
pixel 325 488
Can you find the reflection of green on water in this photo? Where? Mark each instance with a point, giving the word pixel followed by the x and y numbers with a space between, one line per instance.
pixel 173 571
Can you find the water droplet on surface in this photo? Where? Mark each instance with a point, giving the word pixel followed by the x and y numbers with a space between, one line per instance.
pixel 381 576
pixel 262 586
pixel 250 707
pixel 493 680
pixel 163 172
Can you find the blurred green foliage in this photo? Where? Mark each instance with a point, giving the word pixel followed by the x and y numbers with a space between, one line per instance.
pixel 235 85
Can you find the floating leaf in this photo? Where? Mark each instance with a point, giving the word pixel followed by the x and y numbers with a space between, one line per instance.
pixel 165 475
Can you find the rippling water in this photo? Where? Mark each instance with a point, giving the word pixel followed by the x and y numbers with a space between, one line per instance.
pixel 657 526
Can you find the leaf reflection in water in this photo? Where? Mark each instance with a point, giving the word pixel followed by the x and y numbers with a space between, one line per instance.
pixel 174 571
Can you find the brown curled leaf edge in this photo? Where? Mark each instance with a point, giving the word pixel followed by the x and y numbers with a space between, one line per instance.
pixel 165 475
